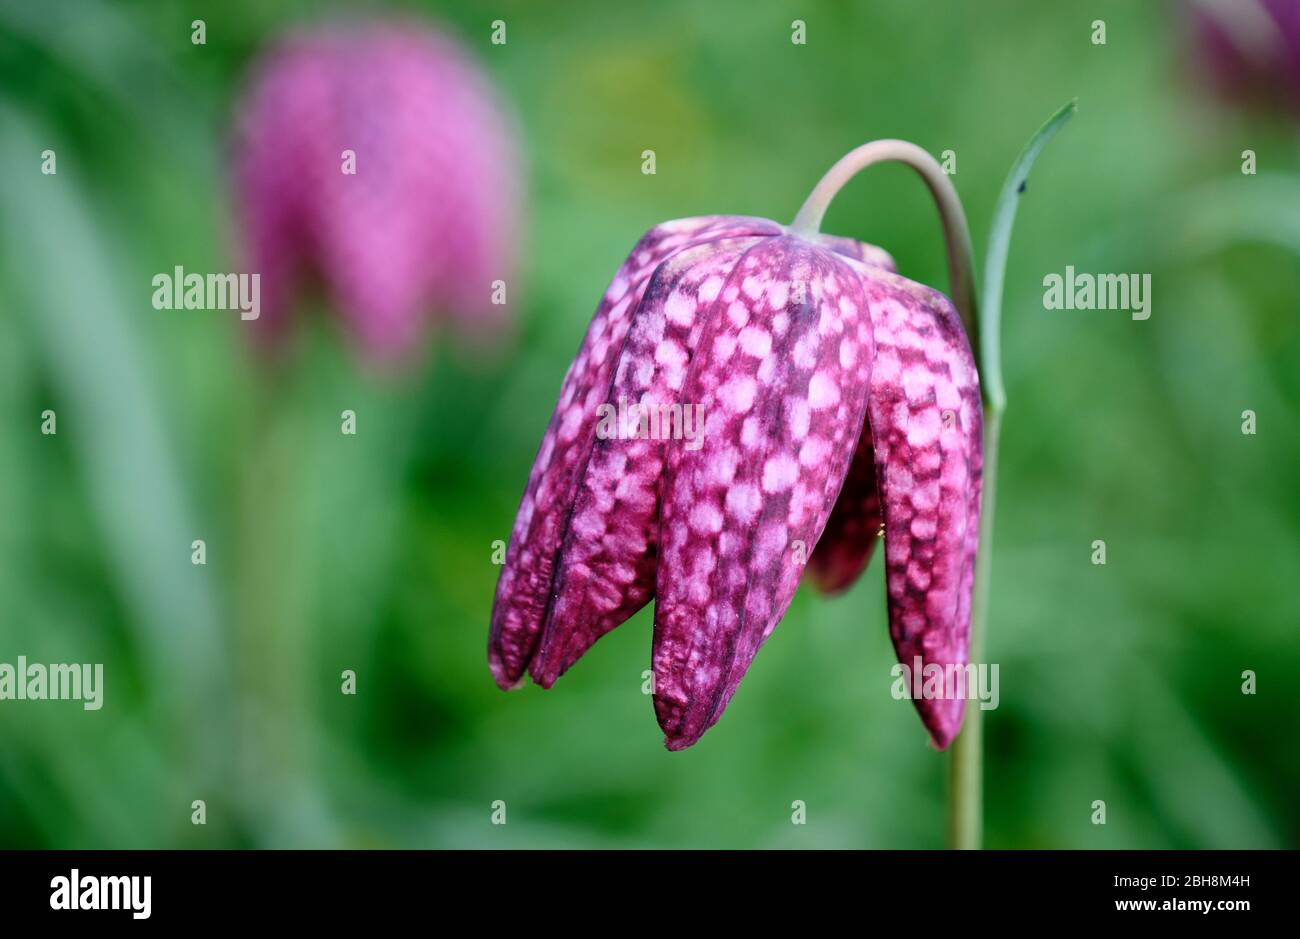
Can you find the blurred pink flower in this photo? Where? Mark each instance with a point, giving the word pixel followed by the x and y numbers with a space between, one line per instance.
pixel 423 227
pixel 1250 49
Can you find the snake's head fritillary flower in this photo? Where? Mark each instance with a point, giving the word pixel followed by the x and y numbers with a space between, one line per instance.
pixel 376 158
pixel 1250 49
pixel 786 390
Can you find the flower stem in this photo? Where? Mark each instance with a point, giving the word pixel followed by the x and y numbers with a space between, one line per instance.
pixel 961 257
pixel 966 777
pixel 966 771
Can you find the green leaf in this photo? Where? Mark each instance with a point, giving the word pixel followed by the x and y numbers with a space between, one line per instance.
pixel 995 260
pixel 85 322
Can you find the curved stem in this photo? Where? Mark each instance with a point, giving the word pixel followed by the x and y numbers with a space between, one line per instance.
pixel 966 789
pixel 961 256
pixel 965 816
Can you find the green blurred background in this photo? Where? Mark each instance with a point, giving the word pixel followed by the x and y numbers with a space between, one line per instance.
pixel 1119 683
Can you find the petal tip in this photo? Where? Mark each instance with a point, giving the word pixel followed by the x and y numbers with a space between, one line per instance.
pixel 501 675
pixel 941 740
pixel 673 744
pixel 944 728
pixel 830 583
pixel 542 676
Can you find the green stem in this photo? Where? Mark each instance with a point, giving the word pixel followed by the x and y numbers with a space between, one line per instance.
pixel 270 630
pixel 983 320
pixel 961 257
pixel 965 790
pixel 966 772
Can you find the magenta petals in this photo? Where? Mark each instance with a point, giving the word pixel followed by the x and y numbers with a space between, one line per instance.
pixel 927 431
pixel 525 587
pixel 605 569
pixel 748 402
pixel 375 158
pixel 784 390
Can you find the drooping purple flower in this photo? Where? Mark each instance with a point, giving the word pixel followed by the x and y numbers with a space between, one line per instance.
pixel 835 395
pixel 423 227
pixel 1250 49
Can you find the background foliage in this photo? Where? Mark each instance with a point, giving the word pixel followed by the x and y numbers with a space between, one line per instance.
pixel 1118 682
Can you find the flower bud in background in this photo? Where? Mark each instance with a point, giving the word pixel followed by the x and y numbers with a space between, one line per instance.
pixel 376 157
pixel 1249 50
